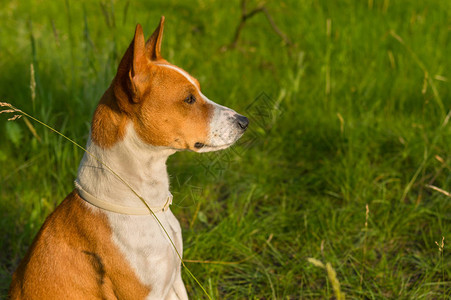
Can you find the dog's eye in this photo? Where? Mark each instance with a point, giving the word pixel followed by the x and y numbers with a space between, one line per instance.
pixel 190 99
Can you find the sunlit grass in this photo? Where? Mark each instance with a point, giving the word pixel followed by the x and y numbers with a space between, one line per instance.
pixel 355 114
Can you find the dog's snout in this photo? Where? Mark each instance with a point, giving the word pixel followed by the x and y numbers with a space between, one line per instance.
pixel 242 121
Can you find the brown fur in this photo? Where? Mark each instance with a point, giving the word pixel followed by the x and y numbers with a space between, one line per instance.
pixel 178 124
pixel 108 123
pixel 73 257
pixel 152 97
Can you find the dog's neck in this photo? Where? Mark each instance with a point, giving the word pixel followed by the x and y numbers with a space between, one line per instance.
pixel 142 166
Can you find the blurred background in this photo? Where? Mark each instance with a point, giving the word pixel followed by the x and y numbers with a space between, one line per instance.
pixel 345 167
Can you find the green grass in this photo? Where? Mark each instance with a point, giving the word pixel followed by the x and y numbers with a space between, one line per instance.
pixel 350 116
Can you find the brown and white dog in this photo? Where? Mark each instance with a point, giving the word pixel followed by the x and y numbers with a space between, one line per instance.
pixel 102 242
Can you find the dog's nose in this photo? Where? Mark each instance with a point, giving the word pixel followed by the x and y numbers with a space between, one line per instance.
pixel 243 122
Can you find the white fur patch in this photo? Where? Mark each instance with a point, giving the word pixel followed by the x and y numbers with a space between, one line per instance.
pixel 181 72
pixel 141 239
pixel 143 166
pixel 224 130
pixel 148 250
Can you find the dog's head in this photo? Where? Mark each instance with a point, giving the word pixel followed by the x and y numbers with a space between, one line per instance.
pixel 164 103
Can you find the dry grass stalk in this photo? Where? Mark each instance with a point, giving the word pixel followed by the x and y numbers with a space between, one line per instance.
pixel 335 283
pixel 315 262
pixel 367 214
pixel 441 245
pixel 331 274
pixel 11 109
pixel 32 84
pixel 433 187
pixel 342 122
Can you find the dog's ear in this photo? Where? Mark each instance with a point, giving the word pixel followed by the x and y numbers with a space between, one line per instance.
pixel 153 44
pixel 131 66
pixel 139 52
pixel 138 64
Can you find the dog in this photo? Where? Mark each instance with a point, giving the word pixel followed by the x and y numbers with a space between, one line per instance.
pixel 102 241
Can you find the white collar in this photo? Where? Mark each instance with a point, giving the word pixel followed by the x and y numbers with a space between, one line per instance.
pixel 126 210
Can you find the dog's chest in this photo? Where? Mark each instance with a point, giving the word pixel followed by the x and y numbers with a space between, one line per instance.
pixel 147 248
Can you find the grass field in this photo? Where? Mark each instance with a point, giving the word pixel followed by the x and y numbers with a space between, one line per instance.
pixel 347 159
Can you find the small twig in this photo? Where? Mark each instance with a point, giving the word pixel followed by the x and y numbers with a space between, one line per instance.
pixel 247 15
pixel 275 28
